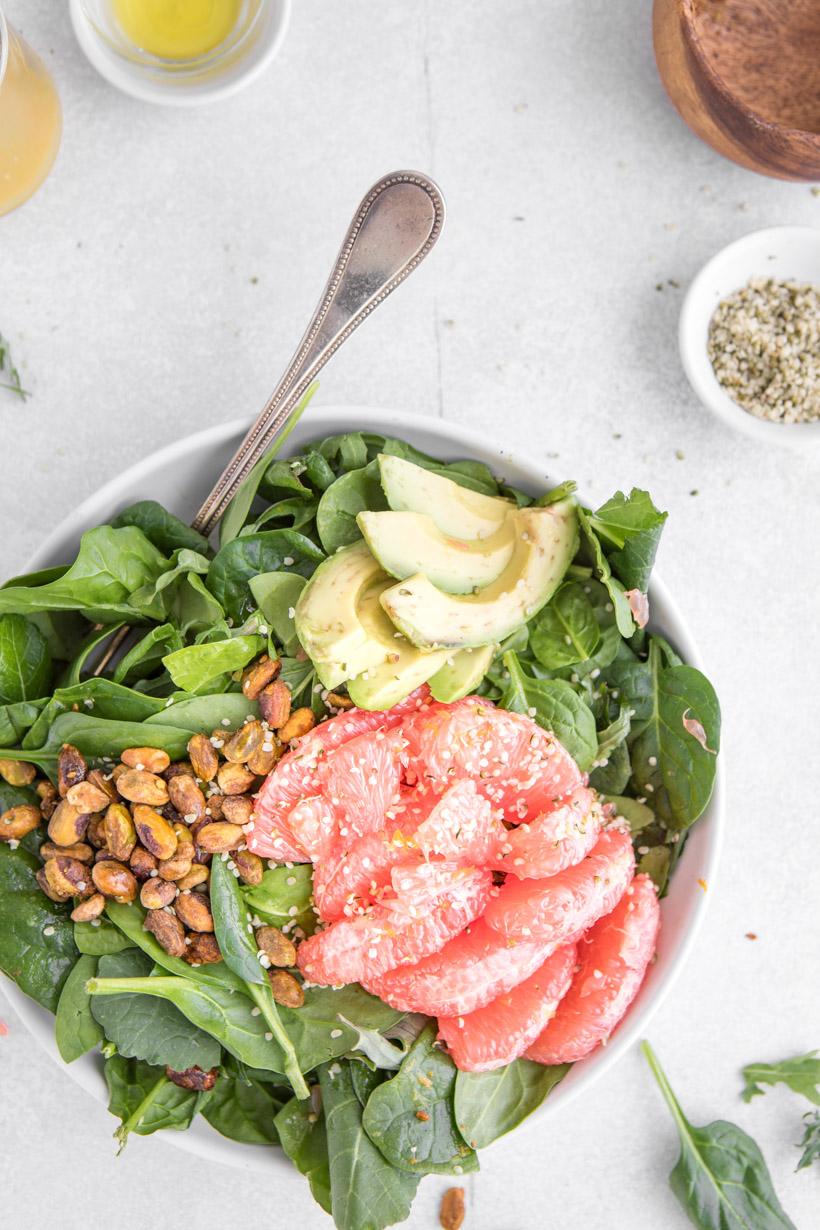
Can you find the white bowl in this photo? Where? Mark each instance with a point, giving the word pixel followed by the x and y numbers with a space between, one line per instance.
pixel 150 82
pixel 783 252
pixel 179 476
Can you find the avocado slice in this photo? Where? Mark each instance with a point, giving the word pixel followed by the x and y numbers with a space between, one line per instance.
pixel 456 511
pixel 547 539
pixel 461 673
pixel 405 543
pixel 327 619
pixel 401 668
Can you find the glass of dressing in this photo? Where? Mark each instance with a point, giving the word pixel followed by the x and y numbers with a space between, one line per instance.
pixel 31 120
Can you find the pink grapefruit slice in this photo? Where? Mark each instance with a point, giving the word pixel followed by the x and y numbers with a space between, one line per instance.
pixel 552 842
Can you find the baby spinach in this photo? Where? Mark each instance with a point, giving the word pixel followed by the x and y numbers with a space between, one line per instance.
pixel 243 558
pixel 343 501
pixel 323 1028
pixel 97 738
pixel 16 719
pixel 100 940
pixel 810 1144
pixel 345 452
pixel 243 1108
pixel 99 697
pixel 411 1118
pixel 277 594
pixel 129 920
pixel 74 671
pixel 25 660
pixel 37 949
pixel 202 714
pixel 280 891
pixel 721 1178
pixel 367 1193
pixel 553 704
pixel 148 652
pixel 565 631
pixel 145 1100
pixel 490 1104
pixel 162 528
pixel 195 666
pixel 141 1029
pixel 75 1029
pixel 614 588
pixel 637 815
pixel 302 1135
pixel 633 525
pixel 801 1074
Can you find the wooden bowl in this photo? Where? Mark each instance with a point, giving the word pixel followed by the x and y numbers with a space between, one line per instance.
pixel 745 76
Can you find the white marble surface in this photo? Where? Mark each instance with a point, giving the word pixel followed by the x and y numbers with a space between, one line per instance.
pixel 158 283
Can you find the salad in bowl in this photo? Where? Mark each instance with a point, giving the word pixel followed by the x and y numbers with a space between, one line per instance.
pixel 365 840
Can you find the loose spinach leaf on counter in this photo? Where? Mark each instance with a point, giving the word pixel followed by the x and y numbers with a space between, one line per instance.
pixel 411 1118
pixel 490 1104
pixel 143 1029
pixel 243 558
pixel 721 1178
pixel 801 1074
pixel 243 1108
pixel 553 704
pixel 145 1100
pixel 162 528
pixel 75 1028
pixel 302 1135
pixel 366 1191
pixel 25 660
pixel 37 949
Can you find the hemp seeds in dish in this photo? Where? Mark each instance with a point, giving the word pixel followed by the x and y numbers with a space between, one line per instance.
pixel 764 347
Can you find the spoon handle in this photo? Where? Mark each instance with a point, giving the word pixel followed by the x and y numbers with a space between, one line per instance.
pixel 394 228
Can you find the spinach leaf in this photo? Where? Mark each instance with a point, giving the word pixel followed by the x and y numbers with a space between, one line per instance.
pixel 490 1104
pixel 243 558
pixel 143 1098
pixel 110 565
pixel 202 714
pixel 178 595
pixel 302 1135
pixel 75 1029
pixel 97 738
pixel 244 1109
pixel 319 471
pixel 656 864
pixel 801 1073
pixel 277 594
pixel 195 666
pixel 162 528
pixel 565 631
pixel 810 1144
pixel 279 891
pixel 129 920
pixel 329 1011
pixel 98 696
pixel 633 525
pixel 16 719
pixel 37 949
pixel 345 452
pixel 613 776
pixel 615 589
pixel 721 1178
pixel 637 815
pixel 343 501
pixel 293 514
pixel 141 1029
pixel 411 1118
pixel 367 1193
pixel 99 941
pixel 148 653
pixel 25 660
pixel 97 636
pixel 555 706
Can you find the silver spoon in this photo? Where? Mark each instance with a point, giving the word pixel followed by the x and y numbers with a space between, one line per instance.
pixel 395 226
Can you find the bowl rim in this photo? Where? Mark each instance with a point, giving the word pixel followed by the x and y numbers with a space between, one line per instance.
pixel 695 314
pixel 201 1140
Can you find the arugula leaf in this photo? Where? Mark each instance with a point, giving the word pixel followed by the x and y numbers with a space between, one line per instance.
pixel 411 1118
pixel 145 1100
pixel 343 501
pixel 243 558
pixel 302 1135
pixel 367 1193
pixel 162 528
pixel 490 1104
pixel 195 666
pixel 721 1178
pixel 810 1144
pixel 553 704
pixel 25 660
pixel 37 949
pixel 565 631
pixel 801 1073
pixel 75 1029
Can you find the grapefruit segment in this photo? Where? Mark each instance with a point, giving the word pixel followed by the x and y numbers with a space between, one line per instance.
pixel 361 780
pixel 614 956
pixel 461 826
pixel 472 969
pixel 562 907
pixel 554 841
pixel 353 880
pixel 499 1033
pixel 312 825
pixel 434 902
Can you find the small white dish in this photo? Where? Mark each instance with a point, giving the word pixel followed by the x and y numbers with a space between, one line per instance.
pixel 783 252
pixel 216 75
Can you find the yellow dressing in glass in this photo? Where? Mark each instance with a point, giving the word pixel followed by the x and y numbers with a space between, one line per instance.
pixel 176 29
pixel 30 124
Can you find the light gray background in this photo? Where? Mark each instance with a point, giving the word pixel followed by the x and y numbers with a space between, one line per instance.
pixel 546 317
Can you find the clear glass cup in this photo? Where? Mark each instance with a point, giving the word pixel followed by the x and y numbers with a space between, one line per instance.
pixel 31 120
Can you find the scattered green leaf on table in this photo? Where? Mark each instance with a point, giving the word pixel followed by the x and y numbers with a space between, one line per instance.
pixel 801 1073
pixel 810 1144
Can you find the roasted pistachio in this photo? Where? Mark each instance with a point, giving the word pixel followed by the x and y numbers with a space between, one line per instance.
pixel 250 866
pixel 179 864
pixel 68 876
pixel 214 809
pixel 167 930
pixel 18 821
pixel 220 837
pixel 40 877
pixel 82 852
pixel 67 825
pixel 237 808
pixel 259 674
pixel 247 740
pixel 197 875
pixel 140 786
pixel 104 783
pixel 336 700
pixel 194 911
pixel 178 767
pixel 204 759
pixel 193 1078
pixel 17 772
pixel 113 879
pixel 234 778
pixel 71 768
pixel 264 759
pixel 142 863
pixel 156 893
pixel 187 797
pixel 87 797
pixel 154 759
pixel 298 724
pixel 95 833
pixel 277 947
pixel 154 831
pixel 275 703
pixel 49 798
pixel 202 949
pixel 285 989
pixel 120 833
pixel 89 909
